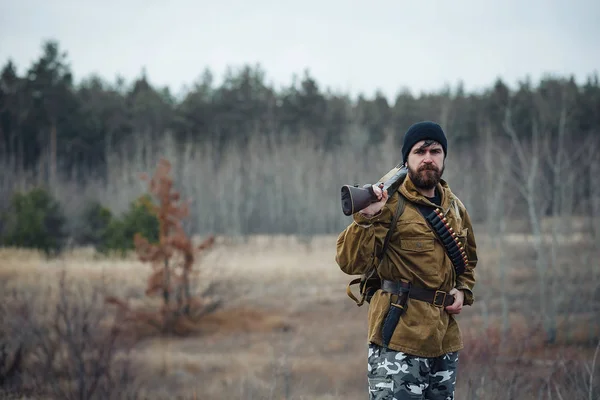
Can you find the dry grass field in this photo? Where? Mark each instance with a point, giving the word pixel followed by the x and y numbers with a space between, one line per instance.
pixel 285 328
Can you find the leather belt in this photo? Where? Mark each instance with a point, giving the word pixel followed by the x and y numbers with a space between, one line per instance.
pixel 438 298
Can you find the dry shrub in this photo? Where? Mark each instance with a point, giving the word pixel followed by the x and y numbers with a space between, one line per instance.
pixel 62 343
pixel 172 260
pixel 575 378
pixel 518 363
pixel 485 352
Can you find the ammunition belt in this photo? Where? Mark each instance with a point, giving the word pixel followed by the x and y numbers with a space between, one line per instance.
pixel 454 249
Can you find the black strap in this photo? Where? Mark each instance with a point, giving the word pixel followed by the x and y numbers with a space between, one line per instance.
pixel 438 298
pixel 388 236
pixel 436 221
pixel 458 256
pixel 372 273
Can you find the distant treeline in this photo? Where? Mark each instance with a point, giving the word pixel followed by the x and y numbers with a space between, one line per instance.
pixel 259 159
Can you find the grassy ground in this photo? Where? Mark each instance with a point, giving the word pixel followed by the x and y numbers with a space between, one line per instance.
pixel 287 330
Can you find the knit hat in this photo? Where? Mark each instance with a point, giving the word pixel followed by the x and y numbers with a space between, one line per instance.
pixel 422 131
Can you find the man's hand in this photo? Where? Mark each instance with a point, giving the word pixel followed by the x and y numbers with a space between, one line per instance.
pixel 374 208
pixel 459 297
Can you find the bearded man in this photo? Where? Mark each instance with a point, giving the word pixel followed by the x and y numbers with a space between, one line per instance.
pixel 427 274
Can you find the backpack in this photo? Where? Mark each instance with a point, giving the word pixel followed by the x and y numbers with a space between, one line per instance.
pixel 370 282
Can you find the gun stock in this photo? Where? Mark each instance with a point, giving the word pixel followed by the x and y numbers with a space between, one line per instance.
pixel 356 198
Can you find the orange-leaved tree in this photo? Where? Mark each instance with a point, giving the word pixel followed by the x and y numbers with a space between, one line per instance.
pixel 172 259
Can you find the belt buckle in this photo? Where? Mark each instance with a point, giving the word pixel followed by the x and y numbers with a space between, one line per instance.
pixel 435 297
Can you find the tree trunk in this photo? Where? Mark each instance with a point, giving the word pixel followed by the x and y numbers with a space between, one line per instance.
pixel 52 158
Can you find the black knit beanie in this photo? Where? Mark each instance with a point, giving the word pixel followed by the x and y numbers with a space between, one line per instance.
pixel 422 131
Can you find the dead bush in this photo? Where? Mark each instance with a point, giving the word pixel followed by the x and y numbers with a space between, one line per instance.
pixel 62 342
pixel 518 363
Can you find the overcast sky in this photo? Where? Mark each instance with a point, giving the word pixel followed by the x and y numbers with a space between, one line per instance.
pixel 351 46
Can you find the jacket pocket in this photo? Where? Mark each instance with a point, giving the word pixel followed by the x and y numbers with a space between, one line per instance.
pixel 420 253
pixel 417 245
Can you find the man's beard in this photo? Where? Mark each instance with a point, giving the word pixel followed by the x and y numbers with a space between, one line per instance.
pixel 427 177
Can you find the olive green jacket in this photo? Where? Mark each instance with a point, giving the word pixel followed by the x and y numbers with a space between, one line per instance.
pixel 414 254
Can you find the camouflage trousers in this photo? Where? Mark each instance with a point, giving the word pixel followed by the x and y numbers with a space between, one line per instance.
pixel 394 375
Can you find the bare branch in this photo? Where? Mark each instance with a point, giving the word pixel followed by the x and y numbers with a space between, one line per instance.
pixel 592 369
pixel 510 130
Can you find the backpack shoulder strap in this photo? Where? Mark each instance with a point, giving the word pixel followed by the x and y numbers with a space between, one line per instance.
pixel 371 275
pixel 399 210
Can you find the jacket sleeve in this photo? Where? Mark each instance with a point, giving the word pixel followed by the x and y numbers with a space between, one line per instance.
pixel 466 281
pixel 357 245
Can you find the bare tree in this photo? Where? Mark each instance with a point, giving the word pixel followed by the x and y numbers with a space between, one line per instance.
pixel 172 259
pixel 594 172
pixel 546 173
pixel 529 181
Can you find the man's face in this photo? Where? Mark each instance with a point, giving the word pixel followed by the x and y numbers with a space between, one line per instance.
pixel 426 164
